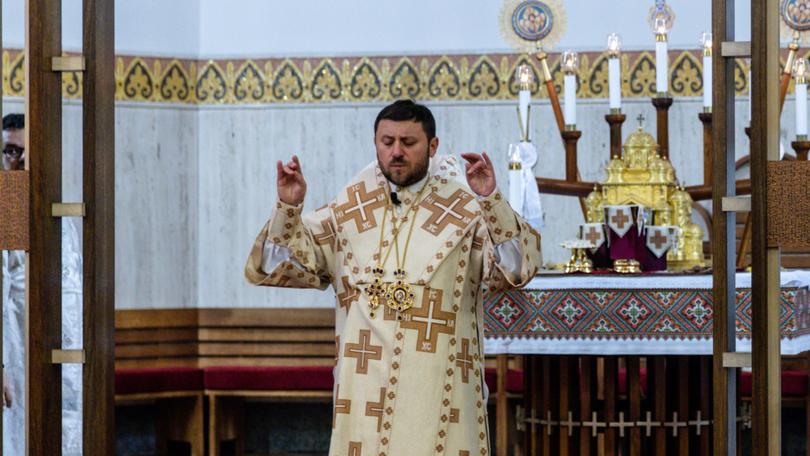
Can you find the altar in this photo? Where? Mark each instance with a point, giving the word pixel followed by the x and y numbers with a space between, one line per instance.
pixel 621 364
pixel 655 314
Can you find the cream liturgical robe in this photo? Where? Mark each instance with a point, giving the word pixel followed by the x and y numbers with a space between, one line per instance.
pixel 414 386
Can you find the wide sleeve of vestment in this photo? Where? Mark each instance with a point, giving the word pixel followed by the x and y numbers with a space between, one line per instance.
pixel 511 246
pixel 294 251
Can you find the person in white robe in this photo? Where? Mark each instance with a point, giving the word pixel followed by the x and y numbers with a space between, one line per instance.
pixel 13 300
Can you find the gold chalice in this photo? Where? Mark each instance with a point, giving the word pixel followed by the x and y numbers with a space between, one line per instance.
pixel 579 262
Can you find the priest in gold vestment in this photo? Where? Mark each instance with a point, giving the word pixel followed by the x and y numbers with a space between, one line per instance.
pixel 409 246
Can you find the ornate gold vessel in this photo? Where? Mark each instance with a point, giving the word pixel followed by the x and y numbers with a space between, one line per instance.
pixel 642 177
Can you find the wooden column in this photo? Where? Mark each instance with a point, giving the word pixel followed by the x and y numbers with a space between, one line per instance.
pixel 44 260
pixel 615 121
pixel 501 406
pixel 98 122
pixel 633 377
pixel 706 120
pixel 611 393
pixel 662 105
pixel 765 259
pixel 723 232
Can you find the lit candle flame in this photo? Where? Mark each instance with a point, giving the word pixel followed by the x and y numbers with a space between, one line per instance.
pixel 706 41
pixel 800 70
pixel 525 76
pixel 614 44
pixel 662 25
pixel 570 62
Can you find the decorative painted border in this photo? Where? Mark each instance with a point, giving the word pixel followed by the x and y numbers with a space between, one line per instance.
pixel 620 314
pixel 368 79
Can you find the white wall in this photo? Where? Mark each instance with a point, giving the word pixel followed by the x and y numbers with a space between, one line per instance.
pixel 142 27
pixel 269 28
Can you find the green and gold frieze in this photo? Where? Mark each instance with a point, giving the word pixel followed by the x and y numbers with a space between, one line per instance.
pixel 369 79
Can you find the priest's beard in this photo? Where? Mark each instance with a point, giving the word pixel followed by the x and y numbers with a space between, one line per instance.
pixel 420 170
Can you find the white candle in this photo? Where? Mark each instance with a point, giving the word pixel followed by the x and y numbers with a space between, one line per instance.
pixel 801 109
pixel 614 43
pixel 524 99
pixel 706 40
pixel 570 83
pixel 516 190
pixel 661 66
pixel 614 83
pixel 515 178
pixel 525 77
pixel 707 81
pixel 800 68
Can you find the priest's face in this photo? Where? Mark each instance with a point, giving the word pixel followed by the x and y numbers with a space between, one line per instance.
pixel 13 149
pixel 403 151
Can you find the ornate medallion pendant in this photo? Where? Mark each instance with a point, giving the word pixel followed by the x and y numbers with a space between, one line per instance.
pixel 399 295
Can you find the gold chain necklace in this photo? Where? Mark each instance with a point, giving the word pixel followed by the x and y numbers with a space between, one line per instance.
pixel 399 295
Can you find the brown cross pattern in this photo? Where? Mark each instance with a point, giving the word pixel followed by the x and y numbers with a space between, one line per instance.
pixel 363 351
pixel 355 448
pixel 349 294
pixel 429 321
pixel 593 235
pixel 446 211
pixel 478 243
pixel 454 415
pixel 360 207
pixel 341 406
pixel 658 239
pixel 463 453
pixel 328 237
pixel 464 360
pixel 619 219
pixel 375 409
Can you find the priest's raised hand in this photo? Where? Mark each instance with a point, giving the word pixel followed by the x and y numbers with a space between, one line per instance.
pixel 480 173
pixel 291 183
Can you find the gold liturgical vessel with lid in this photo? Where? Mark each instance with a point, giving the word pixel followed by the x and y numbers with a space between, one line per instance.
pixel 642 177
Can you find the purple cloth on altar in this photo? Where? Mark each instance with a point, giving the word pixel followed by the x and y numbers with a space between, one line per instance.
pixel 648 260
pixel 624 248
pixel 601 257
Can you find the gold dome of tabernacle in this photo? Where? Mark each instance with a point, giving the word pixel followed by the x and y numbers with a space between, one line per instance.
pixel 640 139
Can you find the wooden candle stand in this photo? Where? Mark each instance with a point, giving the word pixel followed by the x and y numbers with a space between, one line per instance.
pixel 801 147
pixel 615 121
pixel 662 105
pixel 706 119
pixel 571 137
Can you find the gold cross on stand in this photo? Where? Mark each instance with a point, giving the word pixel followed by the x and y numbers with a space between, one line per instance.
pixel 621 424
pixel 648 423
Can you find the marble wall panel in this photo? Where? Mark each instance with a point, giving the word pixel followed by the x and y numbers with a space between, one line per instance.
pixel 194 185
